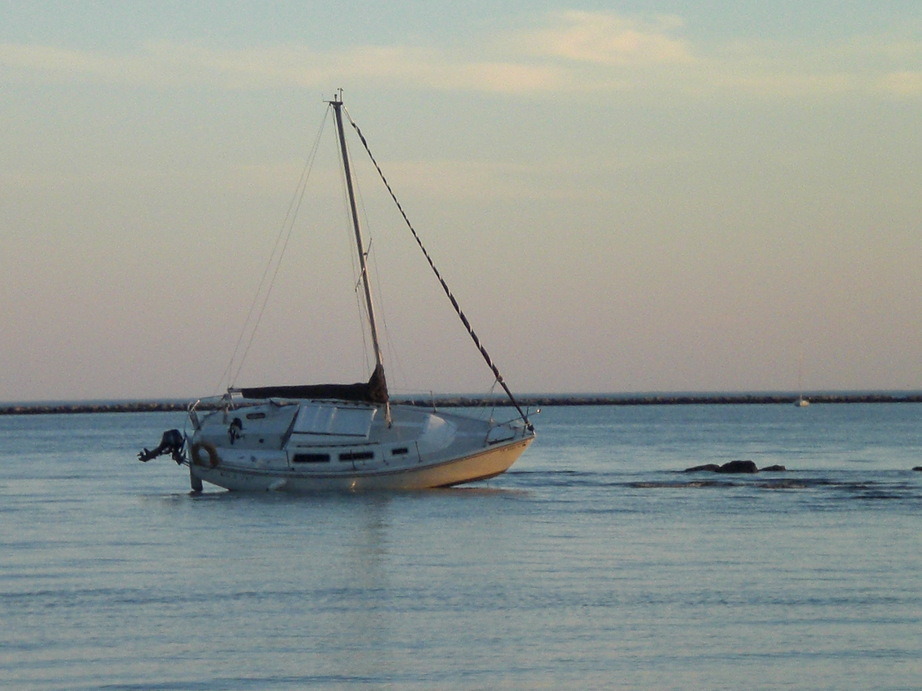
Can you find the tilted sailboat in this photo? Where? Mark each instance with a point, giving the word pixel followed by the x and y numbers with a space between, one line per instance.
pixel 343 436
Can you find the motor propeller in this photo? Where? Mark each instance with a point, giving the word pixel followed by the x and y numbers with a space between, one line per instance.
pixel 172 442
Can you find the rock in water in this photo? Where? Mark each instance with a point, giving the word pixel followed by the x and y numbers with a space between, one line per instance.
pixel 738 467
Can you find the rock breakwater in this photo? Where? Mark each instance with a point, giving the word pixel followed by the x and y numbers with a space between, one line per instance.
pixel 530 401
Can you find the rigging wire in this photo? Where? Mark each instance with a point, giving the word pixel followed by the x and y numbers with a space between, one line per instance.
pixel 375 274
pixel 254 314
pixel 438 275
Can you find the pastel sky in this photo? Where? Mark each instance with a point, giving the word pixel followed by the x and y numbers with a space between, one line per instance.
pixel 624 196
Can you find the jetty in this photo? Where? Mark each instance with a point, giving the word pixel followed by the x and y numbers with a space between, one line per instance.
pixel 531 401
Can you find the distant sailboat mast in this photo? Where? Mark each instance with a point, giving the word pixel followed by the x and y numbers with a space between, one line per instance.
pixel 801 402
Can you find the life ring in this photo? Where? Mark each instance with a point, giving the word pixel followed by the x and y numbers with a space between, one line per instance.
pixel 213 458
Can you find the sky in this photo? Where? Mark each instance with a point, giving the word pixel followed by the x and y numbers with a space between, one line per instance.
pixel 630 196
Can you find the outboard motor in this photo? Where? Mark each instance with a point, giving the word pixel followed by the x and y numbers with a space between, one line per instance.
pixel 172 442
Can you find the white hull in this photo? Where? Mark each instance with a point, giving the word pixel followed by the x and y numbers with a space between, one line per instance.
pixel 315 446
pixel 481 467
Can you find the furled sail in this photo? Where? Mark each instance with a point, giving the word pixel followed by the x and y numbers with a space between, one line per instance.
pixel 372 391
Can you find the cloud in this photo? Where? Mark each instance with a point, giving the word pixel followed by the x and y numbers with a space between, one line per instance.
pixel 560 53
pixel 785 84
pixel 537 61
pixel 54 62
pixel 902 83
pixel 167 64
pixel 606 38
pixel 480 179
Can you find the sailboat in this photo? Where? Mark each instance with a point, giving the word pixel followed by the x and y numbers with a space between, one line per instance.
pixel 346 437
pixel 801 401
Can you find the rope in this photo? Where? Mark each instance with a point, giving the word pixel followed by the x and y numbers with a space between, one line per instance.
pixel 274 257
pixel 438 275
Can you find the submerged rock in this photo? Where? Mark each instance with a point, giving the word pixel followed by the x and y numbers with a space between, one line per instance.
pixel 709 467
pixel 738 467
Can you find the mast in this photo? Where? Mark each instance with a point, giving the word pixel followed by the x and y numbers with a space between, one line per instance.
pixel 337 104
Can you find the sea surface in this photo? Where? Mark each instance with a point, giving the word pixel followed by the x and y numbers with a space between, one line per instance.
pixel 594 563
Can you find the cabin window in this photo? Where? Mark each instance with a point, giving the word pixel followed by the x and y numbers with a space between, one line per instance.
pixel 400 451
pixel 333 420
pixel 311 458
pixel 256 416
pixel 357 456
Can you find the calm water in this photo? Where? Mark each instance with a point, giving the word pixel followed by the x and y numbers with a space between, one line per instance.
pixel 592 564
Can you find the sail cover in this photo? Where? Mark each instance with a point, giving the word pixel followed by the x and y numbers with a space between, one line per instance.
pixel 372 391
